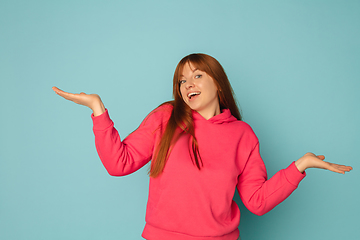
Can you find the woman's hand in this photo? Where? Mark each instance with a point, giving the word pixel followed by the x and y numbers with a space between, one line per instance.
pixel 310 160
pixel 92 101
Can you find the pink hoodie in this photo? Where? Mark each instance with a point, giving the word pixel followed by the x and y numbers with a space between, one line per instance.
pixel 186 203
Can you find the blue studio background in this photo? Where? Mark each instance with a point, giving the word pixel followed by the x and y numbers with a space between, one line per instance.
pixel 294 66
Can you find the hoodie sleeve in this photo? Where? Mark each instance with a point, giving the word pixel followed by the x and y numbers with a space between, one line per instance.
pixel 123 157
pixel 259 194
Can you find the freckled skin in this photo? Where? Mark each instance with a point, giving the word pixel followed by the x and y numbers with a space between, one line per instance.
pixel 194 80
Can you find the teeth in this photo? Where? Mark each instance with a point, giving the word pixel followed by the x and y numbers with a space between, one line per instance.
pixel 193 94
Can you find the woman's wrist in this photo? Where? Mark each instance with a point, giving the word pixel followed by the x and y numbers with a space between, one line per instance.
pixel 301 164
pixel 98 109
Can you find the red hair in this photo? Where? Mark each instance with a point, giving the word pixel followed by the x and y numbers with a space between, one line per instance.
pixel 181 116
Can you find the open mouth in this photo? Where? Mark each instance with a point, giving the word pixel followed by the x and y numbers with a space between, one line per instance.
pixel 193 94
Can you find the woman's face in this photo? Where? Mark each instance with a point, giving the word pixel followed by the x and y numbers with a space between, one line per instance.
pixel 199 91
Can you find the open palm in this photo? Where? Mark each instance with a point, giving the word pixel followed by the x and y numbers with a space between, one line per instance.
pixel 310 160
pixel 92 101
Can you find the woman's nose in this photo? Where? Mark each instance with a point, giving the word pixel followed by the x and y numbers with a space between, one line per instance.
pixel 189 84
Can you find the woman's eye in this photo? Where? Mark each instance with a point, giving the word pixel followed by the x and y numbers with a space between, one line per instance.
pixel 198 76
pixel 182 81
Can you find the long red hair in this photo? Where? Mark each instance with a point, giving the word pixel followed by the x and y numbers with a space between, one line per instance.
pixel 181 116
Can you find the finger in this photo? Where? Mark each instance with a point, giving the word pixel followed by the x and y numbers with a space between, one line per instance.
pixel 339 168
pixel 335 169
pixel 58 90
pixel 55 89
pixel 344 168
pixel 339 165
pixel 328 166
pixel 66 95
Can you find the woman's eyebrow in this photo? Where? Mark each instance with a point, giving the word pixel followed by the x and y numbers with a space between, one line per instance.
pixel 192 71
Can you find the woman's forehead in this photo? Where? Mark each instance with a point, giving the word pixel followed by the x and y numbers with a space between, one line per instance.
pixel 189 66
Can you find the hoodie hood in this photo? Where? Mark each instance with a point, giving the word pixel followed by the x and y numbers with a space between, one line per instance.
pixel 224 117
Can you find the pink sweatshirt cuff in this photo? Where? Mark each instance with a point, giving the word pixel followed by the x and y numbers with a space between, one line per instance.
pixel 102 122
pixel 293 175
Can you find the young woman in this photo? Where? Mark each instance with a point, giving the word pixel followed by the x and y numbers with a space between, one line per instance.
pixel 200 151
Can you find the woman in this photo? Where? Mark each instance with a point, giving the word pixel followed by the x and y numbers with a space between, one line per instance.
pixel 200 151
